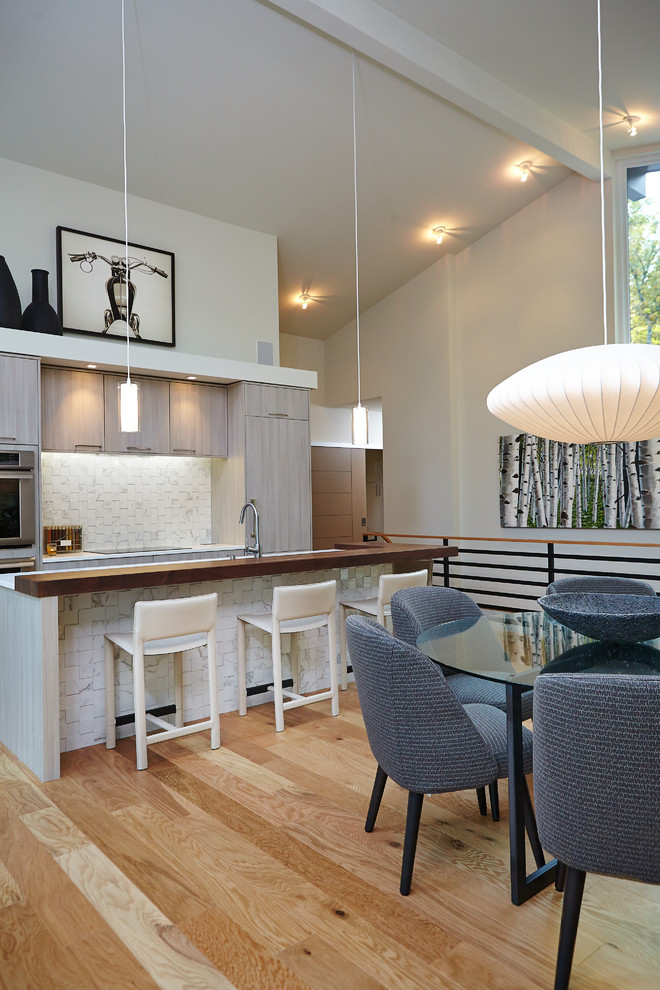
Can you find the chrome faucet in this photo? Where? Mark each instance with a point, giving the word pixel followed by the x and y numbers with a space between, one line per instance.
pixel 256 546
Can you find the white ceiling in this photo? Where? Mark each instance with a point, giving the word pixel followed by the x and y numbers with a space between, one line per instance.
pixel 241 110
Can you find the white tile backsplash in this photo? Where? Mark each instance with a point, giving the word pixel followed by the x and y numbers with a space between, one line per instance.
pixel 129 500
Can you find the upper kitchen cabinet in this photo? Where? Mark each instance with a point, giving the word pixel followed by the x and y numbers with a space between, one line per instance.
pixel 198 419
pixel 72 410
pixel 276 402
pixel 153 436
pixel 270 462
pixel 19 400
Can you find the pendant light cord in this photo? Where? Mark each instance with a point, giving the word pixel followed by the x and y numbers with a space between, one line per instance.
pixel 355 202
pixel 123 86
pixel 602 170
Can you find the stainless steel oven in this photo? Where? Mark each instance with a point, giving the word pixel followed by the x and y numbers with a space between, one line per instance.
pixel 18 499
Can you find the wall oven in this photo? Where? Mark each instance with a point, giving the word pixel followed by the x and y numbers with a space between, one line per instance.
pixel 18 500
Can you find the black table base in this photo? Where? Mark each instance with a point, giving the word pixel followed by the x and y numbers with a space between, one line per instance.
pixel 521 812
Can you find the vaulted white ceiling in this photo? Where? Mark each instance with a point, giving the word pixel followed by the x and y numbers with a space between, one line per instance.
pixel 241 110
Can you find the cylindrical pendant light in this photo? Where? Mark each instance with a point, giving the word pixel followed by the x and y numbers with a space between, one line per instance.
pixel 360 417
pixel 600 394
pixel 129 408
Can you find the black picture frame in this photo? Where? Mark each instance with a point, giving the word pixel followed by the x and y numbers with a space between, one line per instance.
pixel 91 290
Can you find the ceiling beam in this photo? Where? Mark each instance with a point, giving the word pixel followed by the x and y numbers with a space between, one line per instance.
pixel 387 39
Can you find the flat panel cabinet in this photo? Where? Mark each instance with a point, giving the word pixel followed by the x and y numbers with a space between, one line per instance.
pixel 198 419
pixel 276 402
pixel 278 478
pixel 153 436
pixel 72 410
pixel 19 400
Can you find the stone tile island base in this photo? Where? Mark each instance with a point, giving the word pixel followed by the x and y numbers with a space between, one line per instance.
pixel 83 620
pixel 52 624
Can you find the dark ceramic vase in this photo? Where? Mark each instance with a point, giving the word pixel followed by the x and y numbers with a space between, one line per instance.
pixel 40 315
pixel 10 303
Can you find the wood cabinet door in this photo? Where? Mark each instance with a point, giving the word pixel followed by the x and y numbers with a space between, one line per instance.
pixel 276 401
pixel 19 400
pixel 278 478
pixel 198 419
pixel 153 437
pixel 72 414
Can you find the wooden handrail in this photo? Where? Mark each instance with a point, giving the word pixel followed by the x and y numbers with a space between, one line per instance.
pixel 510 539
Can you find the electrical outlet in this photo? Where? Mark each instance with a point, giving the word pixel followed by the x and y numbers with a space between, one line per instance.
pixel 363 521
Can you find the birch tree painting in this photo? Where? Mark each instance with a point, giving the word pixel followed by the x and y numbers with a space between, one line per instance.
pixel 546 484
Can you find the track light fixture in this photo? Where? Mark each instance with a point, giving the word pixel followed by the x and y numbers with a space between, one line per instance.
pixel 304 299
pixel 525 169
pixel 438 233
pixel 631 124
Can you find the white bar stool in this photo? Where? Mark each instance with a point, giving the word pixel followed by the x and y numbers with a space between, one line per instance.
pixel 380 607
pixel 161 628
pixel 295 609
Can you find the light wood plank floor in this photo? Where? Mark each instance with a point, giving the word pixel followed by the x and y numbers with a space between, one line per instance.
pixel 249 867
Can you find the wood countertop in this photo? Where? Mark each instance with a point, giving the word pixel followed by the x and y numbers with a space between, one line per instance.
pixel 46 584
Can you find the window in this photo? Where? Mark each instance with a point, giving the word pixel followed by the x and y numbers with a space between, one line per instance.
pixel 639 281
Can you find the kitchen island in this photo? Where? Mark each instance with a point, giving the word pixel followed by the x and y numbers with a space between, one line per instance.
pixel 52 625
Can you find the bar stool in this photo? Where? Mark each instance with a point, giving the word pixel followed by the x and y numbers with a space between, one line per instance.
pixel 380 607
pixel 161 628
pixel 296 609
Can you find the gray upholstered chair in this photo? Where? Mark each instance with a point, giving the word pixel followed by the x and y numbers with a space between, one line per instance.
pixel 599 586
pixel 414 610
pixel 419 734
pixel 596 783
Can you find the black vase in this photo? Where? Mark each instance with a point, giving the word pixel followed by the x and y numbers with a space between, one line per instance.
pixel 40 315
pixel 10 303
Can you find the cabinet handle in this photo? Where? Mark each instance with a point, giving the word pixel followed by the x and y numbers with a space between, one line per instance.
pixel 138 448
pixel 279 415
pixel 7 438
pixel 184 450
pixel 89 446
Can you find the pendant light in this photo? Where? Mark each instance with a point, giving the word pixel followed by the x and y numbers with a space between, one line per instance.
pixel 128 390
pixel 360 421
pixel 603 394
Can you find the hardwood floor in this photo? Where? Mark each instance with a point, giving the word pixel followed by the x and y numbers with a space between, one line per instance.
pixel 249 867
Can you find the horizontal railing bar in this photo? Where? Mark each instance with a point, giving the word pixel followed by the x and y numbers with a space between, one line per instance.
pixel 496 580
pixel 505 553
pixel 619 560
pixel 498 594
pixel 516 539
pixel 502 567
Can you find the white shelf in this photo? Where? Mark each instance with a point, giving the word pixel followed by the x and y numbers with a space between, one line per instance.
pixel 75 351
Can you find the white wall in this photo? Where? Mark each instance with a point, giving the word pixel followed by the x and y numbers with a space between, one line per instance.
pixel 328 424
pixel 226 276
pixel 530 288
pixel 436 346
pixel 405 349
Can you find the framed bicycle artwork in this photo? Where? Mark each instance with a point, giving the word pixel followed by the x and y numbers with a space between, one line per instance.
pixel 101 289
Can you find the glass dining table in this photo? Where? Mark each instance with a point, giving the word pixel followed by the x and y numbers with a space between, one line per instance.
pixel 514 648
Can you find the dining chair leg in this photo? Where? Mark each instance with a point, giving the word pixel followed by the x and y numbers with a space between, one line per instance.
pixel 376 797
pixel 139 704
pixel 494 801
pixel 413 816
pixel 276 649
pixel 530 825
pixel 570 917
pixel 560 881
pixel 332 653
pixel 293 662
pixel 481 798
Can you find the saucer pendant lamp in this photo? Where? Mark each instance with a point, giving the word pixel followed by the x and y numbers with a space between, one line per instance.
pixel 360 420
pixel 602 394
pixel 128 391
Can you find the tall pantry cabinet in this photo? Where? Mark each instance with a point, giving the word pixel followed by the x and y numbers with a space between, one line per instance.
pixel 269 461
